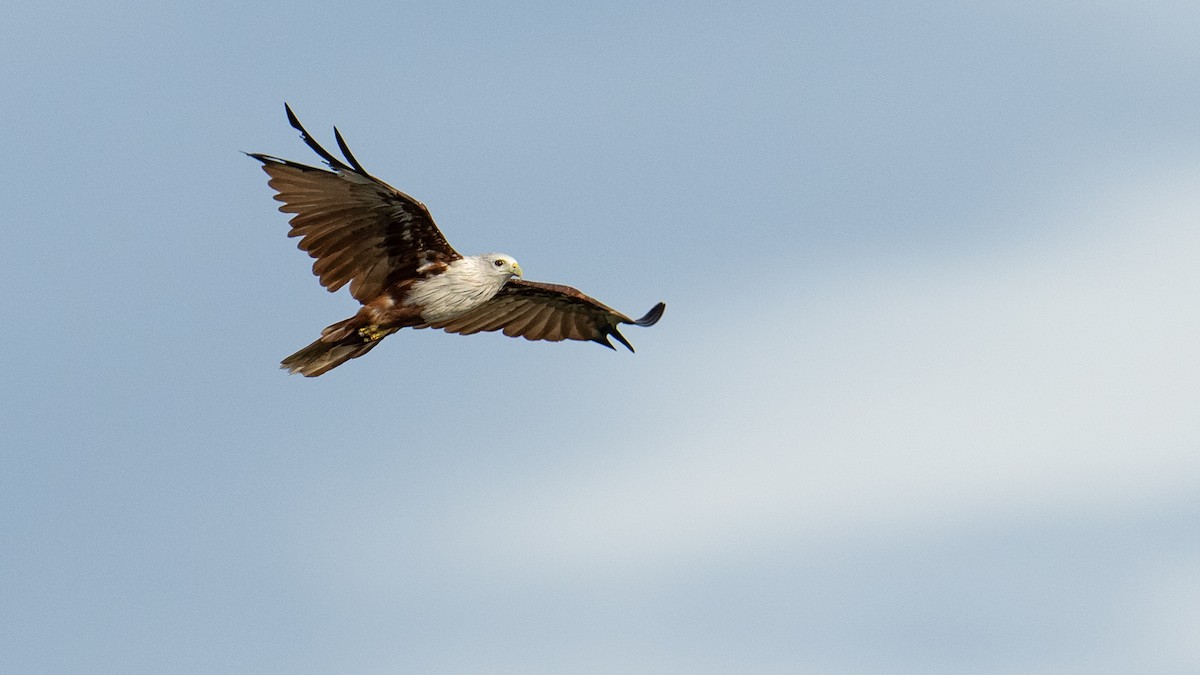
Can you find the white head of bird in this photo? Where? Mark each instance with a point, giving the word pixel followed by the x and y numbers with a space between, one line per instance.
pixel 502 264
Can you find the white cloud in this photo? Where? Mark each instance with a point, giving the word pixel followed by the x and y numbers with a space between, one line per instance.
pixel 1064 377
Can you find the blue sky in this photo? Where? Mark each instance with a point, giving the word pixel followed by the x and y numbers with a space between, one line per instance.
pixel 924 398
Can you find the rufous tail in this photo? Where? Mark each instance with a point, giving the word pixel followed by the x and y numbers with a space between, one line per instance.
pixel 338 344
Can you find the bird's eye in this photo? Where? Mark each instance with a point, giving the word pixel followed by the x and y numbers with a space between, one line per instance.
pixel 499 263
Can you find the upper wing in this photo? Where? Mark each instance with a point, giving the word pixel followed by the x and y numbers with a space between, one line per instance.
pixel 537 311
pixel 361 230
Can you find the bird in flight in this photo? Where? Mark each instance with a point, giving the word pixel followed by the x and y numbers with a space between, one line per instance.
pixel 385 245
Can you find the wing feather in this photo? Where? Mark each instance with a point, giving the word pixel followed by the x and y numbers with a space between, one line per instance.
pixel 359 229
pixel 520 320
pixel 537 328
pixel 480 324
pixel 326 218
pixel 338 268
pixel 555 331
pixel 539 311
pixel 375 274
pixel 353 233
pixel 575 326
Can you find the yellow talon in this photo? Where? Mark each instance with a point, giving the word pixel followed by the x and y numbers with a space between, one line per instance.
pixel 371 333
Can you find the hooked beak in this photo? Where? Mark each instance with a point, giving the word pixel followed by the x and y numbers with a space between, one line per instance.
pixel 517 270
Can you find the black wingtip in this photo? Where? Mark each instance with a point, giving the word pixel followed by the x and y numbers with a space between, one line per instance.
pixel 620 338
pixel 346 151
pixel 653 315
pixel 265 159
pixel 333 162
pixel 295 122
pixel 650 319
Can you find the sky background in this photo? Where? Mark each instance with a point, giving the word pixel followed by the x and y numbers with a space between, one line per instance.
pixel 924 399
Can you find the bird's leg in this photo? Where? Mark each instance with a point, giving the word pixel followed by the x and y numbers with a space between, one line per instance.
pixel 372 333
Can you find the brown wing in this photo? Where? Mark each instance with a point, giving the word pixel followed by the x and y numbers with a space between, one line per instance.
pixel 537 311
pixel 361 230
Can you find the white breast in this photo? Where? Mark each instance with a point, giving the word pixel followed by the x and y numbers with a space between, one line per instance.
pixel 466 284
